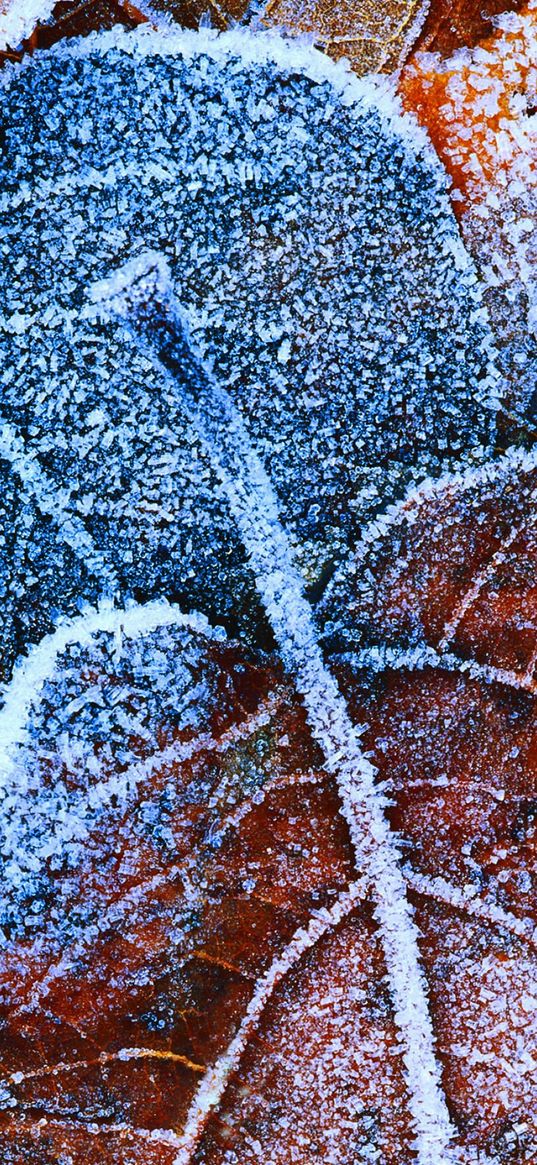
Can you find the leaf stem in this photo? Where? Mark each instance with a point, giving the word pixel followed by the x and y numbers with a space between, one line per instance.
pixel 141 295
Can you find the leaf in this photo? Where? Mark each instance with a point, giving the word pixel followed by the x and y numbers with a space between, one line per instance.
pixel 191 967
pixel 479 110
pixel 434 621
pixel 372 38
pixel 310 263
pixel 195 867
pixel 450 25
pixel 25 27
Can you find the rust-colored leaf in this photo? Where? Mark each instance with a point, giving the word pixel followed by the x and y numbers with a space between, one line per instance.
pixel 479 109
pixel 436 625
pixel 455 24
pixel 191 968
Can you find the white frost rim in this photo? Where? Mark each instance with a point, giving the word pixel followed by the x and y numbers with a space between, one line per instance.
pixel 290 54
pixel 33 670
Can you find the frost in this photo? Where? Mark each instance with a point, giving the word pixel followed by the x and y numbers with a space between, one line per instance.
pixel 142 295
pixel 18 19
pixel 283 328
pixel 480 108
pixel 309 237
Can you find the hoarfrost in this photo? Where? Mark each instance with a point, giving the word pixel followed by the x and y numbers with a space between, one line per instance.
pixel 308 231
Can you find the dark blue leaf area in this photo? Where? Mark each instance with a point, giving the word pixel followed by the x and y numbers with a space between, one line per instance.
pixel 312 245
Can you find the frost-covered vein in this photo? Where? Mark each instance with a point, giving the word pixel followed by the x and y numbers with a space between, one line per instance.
pixel 233 820
pixel 181 752
pixel 54 503
pixel 140 295
pixel 97 1129
pixel 123 1055
pixel 444 891
pixel 418 658
pixel 131 903
pixel 439 887
pixel 213 1086
pixel 127 905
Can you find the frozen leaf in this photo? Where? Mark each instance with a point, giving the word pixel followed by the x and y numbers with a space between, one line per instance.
pixel 191 966
pixel 435 627
pixel 454 24
pixel 441 602
pixel 168 837
pixel 372 37
pixel 479 108
pixel 318 263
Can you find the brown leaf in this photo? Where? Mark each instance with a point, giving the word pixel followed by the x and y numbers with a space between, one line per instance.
pixel 204 932
pixel 373 37
pixel 438 655
pixel 454 24
pixel 478 108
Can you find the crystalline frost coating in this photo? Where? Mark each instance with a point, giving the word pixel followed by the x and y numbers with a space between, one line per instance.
pixel 312 247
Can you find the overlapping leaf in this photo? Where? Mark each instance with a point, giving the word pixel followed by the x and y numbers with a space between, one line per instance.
pixel 436 620
pixel 191 969
pixel 479 110
pixel 168 832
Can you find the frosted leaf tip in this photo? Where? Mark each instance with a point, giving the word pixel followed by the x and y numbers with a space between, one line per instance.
pixel 132 285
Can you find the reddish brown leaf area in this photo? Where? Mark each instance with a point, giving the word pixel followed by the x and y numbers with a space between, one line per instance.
pixel 146 954
pixel 230 861
pixel 478 107
pixel 448 583
pixel 309 1084
pixel 456 24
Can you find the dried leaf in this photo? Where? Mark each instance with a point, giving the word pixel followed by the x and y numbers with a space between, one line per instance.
pixel 479 110
pixel 370 36
pixel 191 968
pixel 451 568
